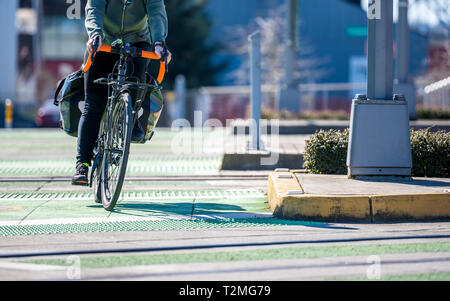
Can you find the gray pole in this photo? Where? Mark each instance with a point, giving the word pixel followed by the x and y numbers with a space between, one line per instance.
pixel 289 94
pixel 255 80
pixel 380 77
pixel 291 43
pixel 180 89
pixel 379 126
pixel 9 50
pixel 403 83
pixel 37 6
pixel 402 65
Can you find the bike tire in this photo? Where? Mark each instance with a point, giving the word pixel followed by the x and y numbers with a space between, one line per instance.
pixel 97 166
pixel 121 127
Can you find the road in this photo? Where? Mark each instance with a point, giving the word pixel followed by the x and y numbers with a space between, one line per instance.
pixel 181 218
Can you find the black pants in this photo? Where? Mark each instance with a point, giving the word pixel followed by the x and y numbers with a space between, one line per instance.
pixel 97 96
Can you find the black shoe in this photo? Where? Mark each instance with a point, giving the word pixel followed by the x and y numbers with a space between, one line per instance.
pixel 81 175
pixel 137 135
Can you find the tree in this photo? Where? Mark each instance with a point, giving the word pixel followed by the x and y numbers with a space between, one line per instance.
pixel 189 41
pixel 273 50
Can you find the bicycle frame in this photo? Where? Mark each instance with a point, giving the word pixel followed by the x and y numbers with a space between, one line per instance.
pixel 118 83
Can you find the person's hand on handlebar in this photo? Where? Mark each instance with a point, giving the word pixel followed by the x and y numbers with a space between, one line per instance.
pixel 95 42
pixel 162 50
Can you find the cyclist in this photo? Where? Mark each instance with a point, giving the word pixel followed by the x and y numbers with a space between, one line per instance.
pixel 143 24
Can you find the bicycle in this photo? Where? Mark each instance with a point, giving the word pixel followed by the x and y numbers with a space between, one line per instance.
pixel 114 139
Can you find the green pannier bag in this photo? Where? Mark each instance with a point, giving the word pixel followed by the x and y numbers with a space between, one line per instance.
pixel 149 114
pixel 71 105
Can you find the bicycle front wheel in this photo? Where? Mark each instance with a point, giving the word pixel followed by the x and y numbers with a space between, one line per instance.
pixel 97 166
pixel 116 151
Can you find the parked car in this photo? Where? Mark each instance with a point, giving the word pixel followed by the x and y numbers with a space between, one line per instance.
pixel 48 115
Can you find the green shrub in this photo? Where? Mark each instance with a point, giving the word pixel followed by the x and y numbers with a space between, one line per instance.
pixel 430 153
pixel 326 153
pixel 433 113
pixel 305 115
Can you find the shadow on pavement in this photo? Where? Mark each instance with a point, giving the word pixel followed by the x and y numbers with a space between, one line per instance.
pixel 179 208
pixel 207 208
pixel 416 182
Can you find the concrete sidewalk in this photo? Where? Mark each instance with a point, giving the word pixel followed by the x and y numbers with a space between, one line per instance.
pixel 276 151
pixel 297 195
pixel 305 127
pixel 342 185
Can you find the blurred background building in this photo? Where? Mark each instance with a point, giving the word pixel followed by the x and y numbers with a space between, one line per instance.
pixel 44 40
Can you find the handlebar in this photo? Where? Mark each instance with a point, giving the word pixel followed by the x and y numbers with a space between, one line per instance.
pixel 130 51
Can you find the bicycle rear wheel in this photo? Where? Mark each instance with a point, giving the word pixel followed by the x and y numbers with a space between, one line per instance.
pixel 116 151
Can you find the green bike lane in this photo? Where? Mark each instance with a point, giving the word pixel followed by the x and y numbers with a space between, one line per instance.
pixel 53 145
pixel 55 206
pixel 360 262
pixel 143 209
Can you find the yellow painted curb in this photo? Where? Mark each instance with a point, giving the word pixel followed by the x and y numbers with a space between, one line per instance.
pixel 315 207
pixel 287 200
pixel 411 206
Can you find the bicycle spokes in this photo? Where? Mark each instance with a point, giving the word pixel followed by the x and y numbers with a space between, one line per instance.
pixel 116 152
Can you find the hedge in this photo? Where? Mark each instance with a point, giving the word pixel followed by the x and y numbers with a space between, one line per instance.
pixel 430 153
pixel 433 113
pixel 326 153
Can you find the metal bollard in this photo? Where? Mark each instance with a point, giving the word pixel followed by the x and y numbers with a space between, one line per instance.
pixel 255 80
pixel 180 88
pixel 8 114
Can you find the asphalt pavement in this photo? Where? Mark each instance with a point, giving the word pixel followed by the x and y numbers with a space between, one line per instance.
pixel 181 217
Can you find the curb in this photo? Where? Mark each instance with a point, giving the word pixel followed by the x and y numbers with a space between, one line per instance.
pixel 288 200
pixel 255 161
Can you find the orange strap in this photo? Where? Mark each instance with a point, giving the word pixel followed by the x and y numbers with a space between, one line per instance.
pixel 88 64
pixel 150 55
pixel 162 64
pixel 145 54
